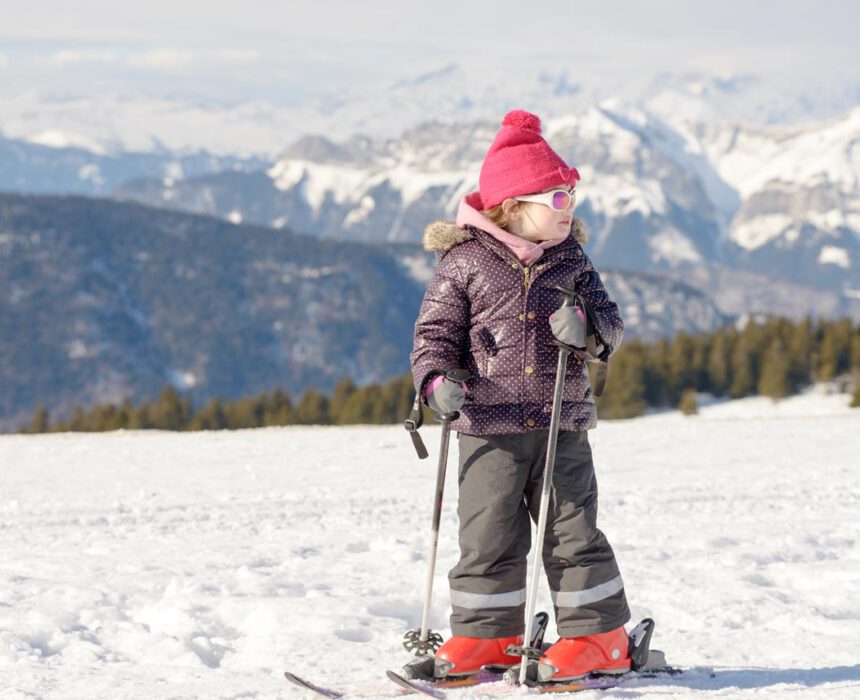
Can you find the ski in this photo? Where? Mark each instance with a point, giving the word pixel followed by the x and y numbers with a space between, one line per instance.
pixel 602 682
pixel 435 689
pixel 415 686
pixel 307 685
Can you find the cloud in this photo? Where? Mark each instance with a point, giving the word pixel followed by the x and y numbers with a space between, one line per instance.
pixel 177 58
pixel 3 61
pixel 161 59
pixel 72 56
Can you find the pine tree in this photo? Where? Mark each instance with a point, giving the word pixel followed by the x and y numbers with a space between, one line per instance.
pixel 743 371
pixel 828 353
pixel 775 380
pixel 624 395
pixel 126 411
pixel 800 352
pixel 171 411
pixel 105 417
pixel 342 391
pixel 406 397
pixel 658 373
pixel 312 409
pixel 689 404
pixel 40 422
pixel 719 362
pixel 699 369
pixel 362 406
pixel 79 422
pixel 210 417
pixel 140 418
pixel 854 355
pixel 744 365
pixel 279 410
pixel 246 413
pixel 681 357
pixel 381 404
pixel 843 340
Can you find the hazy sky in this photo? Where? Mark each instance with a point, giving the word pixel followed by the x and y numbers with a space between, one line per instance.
pixel 286 50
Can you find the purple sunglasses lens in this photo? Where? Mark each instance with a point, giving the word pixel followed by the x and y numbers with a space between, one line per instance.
pixel 560 200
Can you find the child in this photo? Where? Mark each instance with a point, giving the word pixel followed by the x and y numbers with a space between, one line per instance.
pixel 488 310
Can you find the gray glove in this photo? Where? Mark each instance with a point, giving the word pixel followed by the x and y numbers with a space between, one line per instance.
pixel 568 326
pixel 444 395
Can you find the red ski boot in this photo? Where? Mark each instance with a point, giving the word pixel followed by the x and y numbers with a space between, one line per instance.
pixel 575 657
pixel 461 656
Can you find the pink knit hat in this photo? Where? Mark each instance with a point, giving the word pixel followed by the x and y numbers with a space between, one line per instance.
pixel 520 162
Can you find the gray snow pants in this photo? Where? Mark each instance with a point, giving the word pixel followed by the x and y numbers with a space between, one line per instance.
pixel 500 488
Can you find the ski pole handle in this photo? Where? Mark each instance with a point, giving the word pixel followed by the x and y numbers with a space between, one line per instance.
pixel 570 296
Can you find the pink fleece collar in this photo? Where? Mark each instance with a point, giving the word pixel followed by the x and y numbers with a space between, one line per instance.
pixel 468 214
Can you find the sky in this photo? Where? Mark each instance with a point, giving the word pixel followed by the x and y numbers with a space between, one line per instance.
pixel 288 51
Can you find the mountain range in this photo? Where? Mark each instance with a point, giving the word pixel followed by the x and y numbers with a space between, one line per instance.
pixel 107 300
pixel 227 249
pixel 780 202
pixel 138 121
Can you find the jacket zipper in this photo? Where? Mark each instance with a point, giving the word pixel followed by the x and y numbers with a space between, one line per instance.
pixel 505 253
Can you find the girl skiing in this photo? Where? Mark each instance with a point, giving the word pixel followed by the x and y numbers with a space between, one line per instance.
pixel 493 308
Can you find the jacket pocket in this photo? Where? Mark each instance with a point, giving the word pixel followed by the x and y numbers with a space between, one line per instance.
pixel 483 347
pixel 488 342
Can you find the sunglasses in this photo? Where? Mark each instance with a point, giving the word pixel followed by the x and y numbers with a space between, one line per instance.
pixel 557 200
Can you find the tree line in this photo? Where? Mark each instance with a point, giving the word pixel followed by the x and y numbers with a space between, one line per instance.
pixel 774 357
pixel 348 404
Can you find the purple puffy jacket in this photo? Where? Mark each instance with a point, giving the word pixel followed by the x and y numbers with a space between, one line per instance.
pixel 486 312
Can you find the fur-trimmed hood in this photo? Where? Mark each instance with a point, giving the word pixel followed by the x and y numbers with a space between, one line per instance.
pixel 442 235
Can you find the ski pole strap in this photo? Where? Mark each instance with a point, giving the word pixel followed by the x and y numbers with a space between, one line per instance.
pixel 600 378
pixel 596 346
pixel 414 421
pixel 416 417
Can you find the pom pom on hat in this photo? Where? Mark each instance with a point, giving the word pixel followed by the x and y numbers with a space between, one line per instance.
pixel 521 119
pixel 521 162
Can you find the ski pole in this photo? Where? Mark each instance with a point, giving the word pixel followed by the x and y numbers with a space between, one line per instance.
pixel 552 440
pixel 425 642
pixel 445 419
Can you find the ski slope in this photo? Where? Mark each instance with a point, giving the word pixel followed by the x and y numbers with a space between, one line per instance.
pixel 161 565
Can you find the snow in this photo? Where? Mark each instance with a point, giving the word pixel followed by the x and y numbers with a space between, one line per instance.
pixel 54 138
pixel 91 172
pixel 147 564
pixel 750 158
pixel 182 379
pixel 622 195
pixel 419 266
pixel 834 255
pixel 758 231
pixel 834 218
pixel 365 206
pixel 671 245
pixel 319 180
pixel 351 184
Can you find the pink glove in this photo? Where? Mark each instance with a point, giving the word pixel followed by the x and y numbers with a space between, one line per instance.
pixel 444 395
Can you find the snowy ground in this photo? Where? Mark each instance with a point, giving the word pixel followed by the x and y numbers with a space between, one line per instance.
pixel 157 565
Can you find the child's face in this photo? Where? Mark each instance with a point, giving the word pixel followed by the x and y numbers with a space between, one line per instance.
pixel 539 222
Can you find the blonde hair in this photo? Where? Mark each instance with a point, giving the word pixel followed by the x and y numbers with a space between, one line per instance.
pixel 498 217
